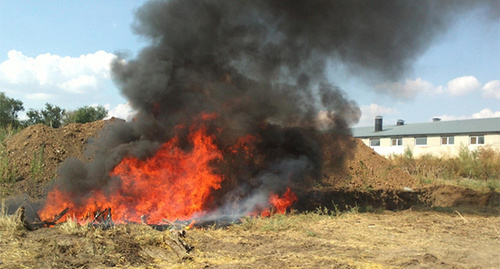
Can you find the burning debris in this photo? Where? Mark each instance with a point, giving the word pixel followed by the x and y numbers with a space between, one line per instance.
pixel 228 97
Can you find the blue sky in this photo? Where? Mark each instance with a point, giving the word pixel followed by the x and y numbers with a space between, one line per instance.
pixel 58 52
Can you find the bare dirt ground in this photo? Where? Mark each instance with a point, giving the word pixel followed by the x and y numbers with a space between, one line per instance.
pixel 408 239
pixel 350 227
pixel 405 239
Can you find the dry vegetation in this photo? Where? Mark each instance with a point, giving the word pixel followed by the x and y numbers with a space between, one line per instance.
pixel 478 169
pixel 321 239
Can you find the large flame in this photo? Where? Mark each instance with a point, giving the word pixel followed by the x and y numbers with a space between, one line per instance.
pixel 172 184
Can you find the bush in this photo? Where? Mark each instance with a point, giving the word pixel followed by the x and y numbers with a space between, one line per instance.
pixel 51 116
pixel 85 114
pixel 480 164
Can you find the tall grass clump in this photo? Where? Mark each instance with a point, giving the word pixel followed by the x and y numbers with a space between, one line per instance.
pixel 7 132
pixel 479 167
pixel 9 224
pixel 37 163
pixel 7 172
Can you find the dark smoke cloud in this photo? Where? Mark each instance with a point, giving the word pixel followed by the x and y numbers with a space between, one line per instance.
pixel 261 66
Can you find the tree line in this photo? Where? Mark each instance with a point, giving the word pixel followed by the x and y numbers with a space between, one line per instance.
pixel 51 115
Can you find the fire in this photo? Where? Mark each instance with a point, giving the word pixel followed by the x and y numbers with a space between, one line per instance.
pixel 280 204
pixel 172 184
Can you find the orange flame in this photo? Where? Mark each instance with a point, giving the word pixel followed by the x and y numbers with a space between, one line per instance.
pixel 280 204
pixel 172 184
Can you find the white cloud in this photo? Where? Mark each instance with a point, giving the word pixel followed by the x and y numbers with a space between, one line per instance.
pixel 39 96
pixel 121 111
pixel 369 112
pixel 455 87
pixel 80 84
pixel 492 89
pixel 462 85
pixel 446 117
pixel 410 88
pixel 35 76
pixel 484 113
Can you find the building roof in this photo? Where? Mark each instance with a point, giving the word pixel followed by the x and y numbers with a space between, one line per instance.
pixel 472 126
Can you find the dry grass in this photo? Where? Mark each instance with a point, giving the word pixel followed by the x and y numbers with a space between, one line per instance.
pixel 320 239
pixel 10 225
pixel 351 240
pixel 70 245
pixel 478 169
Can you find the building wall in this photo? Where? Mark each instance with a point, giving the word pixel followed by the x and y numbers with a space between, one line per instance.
pixel 433 146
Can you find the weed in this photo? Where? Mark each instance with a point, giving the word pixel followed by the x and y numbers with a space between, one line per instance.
pixel 10 224
pixel 8 132
pixel 37 163
pixel 277 223
pixel 425 181
pixel 408 154
pixel 7 172
pixel 336 211
pixel 475 169
pixel 366 208
pixel 353 209
pixel 322 211
pixel 71 226
pixel 311 233
pixel 247 223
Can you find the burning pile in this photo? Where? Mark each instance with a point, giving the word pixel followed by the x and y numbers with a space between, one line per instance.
pixel 230 98
pixel 172 184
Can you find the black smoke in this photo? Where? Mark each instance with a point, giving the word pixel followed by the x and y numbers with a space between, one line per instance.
pixel 260 65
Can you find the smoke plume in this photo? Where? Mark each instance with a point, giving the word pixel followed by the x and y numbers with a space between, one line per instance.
pixel 260 67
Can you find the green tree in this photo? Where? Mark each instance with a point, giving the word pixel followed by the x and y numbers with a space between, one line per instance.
pixel 34 117
pixel 52 116
pixel 8 111
pixel 85 114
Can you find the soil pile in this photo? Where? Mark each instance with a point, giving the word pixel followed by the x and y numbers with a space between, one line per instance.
pixel 365 169
pixel 37 151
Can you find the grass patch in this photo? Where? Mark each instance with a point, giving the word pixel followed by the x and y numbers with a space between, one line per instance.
pixel 37 164
pixel 10 225
pixel 8 173
pixel 476 169
pixel 7 132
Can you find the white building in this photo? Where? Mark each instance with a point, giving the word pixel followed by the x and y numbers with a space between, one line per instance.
pixel 439 138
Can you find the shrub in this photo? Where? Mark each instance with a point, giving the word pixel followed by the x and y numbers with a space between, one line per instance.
pixel 481 164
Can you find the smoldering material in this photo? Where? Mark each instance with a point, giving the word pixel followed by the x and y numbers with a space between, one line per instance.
pixel 261 67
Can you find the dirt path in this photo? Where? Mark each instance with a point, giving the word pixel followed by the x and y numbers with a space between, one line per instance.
pixel 405 239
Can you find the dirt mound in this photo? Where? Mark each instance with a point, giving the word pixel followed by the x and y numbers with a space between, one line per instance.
pixel 440 196
pixel 452 196
pixel 363 169
pixel 36 153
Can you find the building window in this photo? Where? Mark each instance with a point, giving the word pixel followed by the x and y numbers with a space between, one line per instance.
pixel 447 140
pixel 421 141
pixel 397 141
pixel 374 142
pixel 476 140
